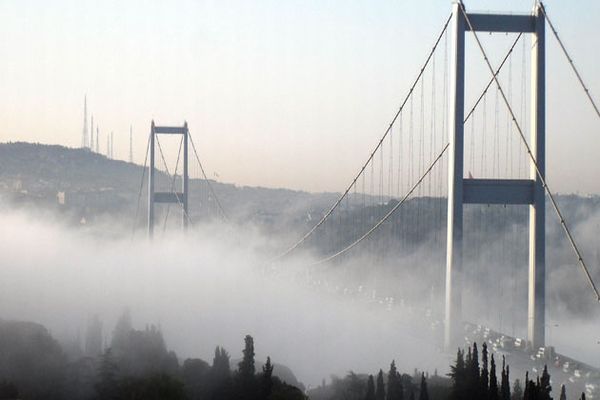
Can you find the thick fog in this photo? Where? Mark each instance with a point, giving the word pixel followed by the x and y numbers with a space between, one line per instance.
pixel 204 289
pixel 212 287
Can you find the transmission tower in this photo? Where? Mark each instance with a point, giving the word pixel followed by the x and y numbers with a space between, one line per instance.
pixel 92 134
pixel 130 144
pixel 84 134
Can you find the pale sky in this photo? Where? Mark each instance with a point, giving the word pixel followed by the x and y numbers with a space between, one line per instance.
pixel 276 93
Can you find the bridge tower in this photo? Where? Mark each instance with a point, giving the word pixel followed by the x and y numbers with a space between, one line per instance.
pixel 463 191
pixel 180 198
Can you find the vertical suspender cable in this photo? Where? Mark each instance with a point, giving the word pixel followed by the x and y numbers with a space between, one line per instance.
pixel 534 161
pixel 137 207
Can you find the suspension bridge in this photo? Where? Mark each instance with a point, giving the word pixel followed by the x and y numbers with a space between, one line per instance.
pixel 450 170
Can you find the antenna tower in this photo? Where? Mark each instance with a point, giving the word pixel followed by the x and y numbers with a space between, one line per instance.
pixel 130 144
pixel 84 134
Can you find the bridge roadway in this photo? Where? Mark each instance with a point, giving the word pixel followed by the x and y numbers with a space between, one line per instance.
pixel 577 376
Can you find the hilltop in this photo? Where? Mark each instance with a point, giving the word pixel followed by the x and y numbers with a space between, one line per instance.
pixel 86 185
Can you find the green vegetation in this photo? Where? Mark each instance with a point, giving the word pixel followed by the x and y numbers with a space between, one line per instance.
pixel 137 365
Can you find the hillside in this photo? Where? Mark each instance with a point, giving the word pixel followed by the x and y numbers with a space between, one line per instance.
pixel 85 185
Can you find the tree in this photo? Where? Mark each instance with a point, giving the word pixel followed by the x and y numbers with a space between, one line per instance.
pixel 123 328
pixel 93 338
pixel 582 396
pixel 370 389
pixel 380 390
pixel 194 374
pixel 153 387
pixel 545 387
pixel 474 368
pixel 106 387
pixel 283 391
pixel 220 375
pixel 247 386
pixel 351 387
pixel 458 374
pixel 532 389
pixel 8 390
pixel 517 393
pixel 563 393
pixel 246 366
pixel 472 382
pixel 220 368
pixel 395 391
pixel 485 378
pixel 267 381
pixel 505 381
pixel 423 394
pixel 493 394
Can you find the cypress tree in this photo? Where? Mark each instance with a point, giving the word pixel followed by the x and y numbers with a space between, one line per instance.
pixel 246 366
pixel 107 386
pixel 267 381
pixel 527 391
pixel 370 389
pixel 504 384
pixel 380 390
pixel 458 374
pixel 220 368
pixel 532 389
pixel 517 393
pixel 563 393
pixel 423 394
pixel 485 378
pixel 475 363
pixel 219 375
pixel 395 391
pixel 468 360
pixel 468 374
pixel 248 387
pixel 493 394
pixel 544 387
pixel 473 377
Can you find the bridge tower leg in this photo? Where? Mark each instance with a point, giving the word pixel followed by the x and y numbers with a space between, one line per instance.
pixel 151 173
pixel 180 198
pixel 537 214
pixel 496 191
pixel 184 183
pixel 454 250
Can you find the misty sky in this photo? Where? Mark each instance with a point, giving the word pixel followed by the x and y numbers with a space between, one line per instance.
pixel 277 93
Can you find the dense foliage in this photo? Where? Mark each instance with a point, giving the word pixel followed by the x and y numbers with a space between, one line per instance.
pixel 137 365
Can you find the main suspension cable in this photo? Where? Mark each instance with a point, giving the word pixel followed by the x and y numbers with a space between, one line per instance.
pixel 506 57
pixel 172 177
pixel 365 165
pixel 173 183
pixel 533 160
pixel 566 53
pixel 223 214
pixel 386 216
pixel 137 208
